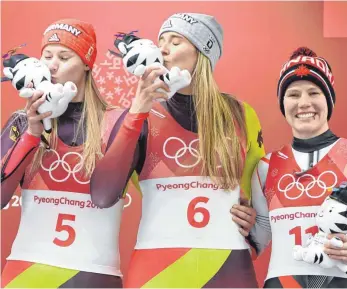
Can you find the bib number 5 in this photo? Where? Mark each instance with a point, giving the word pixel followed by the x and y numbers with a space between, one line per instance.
pixel 61 227
pixel 194 213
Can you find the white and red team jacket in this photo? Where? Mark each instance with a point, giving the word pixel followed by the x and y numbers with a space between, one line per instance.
pixel 59 225
pixel 286 198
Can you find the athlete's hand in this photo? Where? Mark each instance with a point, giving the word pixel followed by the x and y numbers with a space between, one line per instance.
pixel 146 92
pixel 335 252
pixel 35 126
pixel 244 216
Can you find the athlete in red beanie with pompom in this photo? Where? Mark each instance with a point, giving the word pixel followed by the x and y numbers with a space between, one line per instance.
pixel 290 184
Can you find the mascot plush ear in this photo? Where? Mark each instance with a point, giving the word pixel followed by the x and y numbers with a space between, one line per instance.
pixel 122 48
pixel 8 72
pixel 122 43
pixel 10 64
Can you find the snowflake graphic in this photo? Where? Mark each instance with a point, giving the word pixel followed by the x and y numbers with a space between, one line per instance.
pixel 115 84
pixel 109 95
pixel 274 172
pixel 269 193
pixel 118 90
pixel 102 89
pixel 154 131
pixel 154 160
pixel 96 70
pixel 101 80
pixel 118 80
pixel 109 75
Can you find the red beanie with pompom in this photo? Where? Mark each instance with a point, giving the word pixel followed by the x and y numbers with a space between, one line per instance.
pixel 304 64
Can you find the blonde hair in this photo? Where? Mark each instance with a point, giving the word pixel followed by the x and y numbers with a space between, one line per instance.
pixel 221 128
pixel 93 111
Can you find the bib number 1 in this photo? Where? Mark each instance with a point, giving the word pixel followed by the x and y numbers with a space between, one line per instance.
pixel 297 232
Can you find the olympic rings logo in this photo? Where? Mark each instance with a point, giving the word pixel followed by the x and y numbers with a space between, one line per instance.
pixel 306 189
pixel 182 151
pixel 129 200
pixel 66 166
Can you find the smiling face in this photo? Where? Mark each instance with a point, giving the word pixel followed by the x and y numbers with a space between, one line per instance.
pixel 306 109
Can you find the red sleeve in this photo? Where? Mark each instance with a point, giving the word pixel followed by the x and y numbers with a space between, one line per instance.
pixel 111 174
pixel 14 163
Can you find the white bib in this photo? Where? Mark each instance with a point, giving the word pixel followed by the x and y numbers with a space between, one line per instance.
pixel 188 212
pixel 292 226
pixel 65 229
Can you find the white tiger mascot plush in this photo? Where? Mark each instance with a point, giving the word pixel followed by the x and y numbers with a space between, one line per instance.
pixel 139 53
pixel 331 218
pixel 28 74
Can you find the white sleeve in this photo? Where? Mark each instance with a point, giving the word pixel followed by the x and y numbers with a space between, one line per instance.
pixel 261 231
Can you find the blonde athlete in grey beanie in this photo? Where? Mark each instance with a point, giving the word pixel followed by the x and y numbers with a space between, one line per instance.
pixel 194 154
pixel 203 31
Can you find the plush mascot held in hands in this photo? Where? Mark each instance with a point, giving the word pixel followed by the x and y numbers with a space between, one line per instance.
pixel 331 218
pixel 138 54
pixel 28 74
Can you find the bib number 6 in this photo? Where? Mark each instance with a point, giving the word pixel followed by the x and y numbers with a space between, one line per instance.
pixel 194 212
pixel 60 227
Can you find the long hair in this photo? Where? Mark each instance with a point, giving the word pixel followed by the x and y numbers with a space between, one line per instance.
pixel 90 124
pixel 221 128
